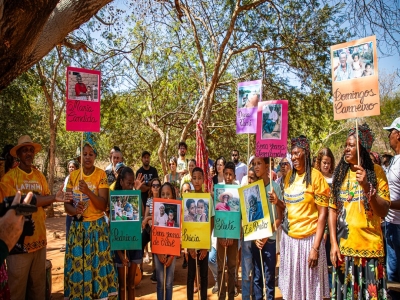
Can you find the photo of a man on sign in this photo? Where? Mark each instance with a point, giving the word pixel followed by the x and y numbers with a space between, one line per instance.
pixel 83 86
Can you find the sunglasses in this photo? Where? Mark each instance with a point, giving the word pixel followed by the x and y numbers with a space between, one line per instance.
pixel 156 186
pixel 282 164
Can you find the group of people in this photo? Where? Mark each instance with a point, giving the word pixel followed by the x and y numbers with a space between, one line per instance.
pixel 351 208
pixel 357 64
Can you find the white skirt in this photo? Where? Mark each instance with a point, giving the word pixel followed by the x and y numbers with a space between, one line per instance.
pixel 297 281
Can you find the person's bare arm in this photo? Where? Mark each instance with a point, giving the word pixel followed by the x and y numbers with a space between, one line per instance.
pixel 98 201
pixel 335 252
pixel 314 251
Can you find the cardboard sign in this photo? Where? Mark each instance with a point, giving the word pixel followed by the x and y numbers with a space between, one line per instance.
pixel 227 211
pixel 272 128
pixel 125 220
pixel 256 219
pixel 355 87
pixel 83 100
pixel 166 229
pixel 249 94
pixel 196 224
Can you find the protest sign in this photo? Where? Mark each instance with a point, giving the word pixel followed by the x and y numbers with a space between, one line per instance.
pixel 249 94
pixel 83 100
pixel 227 211
pixel 355 88
pixel 272 128
pixel 196 227
pixel 256 219
pixel 166 229
pixel 125 220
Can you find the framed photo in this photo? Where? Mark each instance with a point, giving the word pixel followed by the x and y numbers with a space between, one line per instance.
pixel 125 220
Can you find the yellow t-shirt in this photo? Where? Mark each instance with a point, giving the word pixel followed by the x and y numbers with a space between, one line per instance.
pixel 31 182
pixel 6 191
pixel 359 232
pixel 301 214
pixel 95 181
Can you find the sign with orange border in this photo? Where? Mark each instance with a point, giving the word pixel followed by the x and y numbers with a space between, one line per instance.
pixel 355 88
pixel 166 229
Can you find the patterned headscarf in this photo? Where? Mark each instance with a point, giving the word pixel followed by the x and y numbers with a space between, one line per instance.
pixel 365 136
pixel 377 157
pixel 88 140
pixel 301 142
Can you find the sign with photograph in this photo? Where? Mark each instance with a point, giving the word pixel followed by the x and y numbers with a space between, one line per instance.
pixel 272 128
pixel 256 218
pixel 166 229
pixel 196 224
pixel 355 87
pixel 227 211
pixel 249 94
pixel 83 100
pixel 125 220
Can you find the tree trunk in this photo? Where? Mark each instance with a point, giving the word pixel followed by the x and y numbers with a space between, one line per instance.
pixel 30 29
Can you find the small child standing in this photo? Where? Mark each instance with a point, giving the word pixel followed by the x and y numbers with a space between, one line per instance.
pixel 231 246
pixel 202 254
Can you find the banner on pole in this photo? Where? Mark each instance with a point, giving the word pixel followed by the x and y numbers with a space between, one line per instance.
pixel 83 100
pixel 227 211
pixel 166 229
pixel 272 128
pixel 355 87
pixel 125 220
pixel 196 224
pixel 249 94
pixel 256 218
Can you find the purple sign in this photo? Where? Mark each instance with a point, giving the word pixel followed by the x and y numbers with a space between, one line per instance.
pixel 249 94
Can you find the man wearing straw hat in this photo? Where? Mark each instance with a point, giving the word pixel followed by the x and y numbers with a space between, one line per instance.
pixel 26 264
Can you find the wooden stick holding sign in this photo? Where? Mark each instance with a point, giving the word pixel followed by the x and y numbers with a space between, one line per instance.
pixel 263 275
pixel 272 189
pixel 197 278
pixel 358 163
pixel 222 277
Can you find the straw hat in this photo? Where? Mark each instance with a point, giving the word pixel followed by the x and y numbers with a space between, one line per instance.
pixel 225 194
pixel 25 140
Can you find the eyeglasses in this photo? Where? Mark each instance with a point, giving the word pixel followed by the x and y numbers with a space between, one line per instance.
pixel 156 186
pixel 282 164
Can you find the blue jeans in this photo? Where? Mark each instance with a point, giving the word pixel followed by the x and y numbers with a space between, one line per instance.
pixel 392 234
pixel 268 253
pixel 169 279
pixel 212 263
pixel 247 267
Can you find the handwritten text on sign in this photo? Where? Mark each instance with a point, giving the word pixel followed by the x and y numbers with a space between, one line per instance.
pixel 272 128
pixel 83 100
pixel 196 225
pixel 167 226
pixel 355 88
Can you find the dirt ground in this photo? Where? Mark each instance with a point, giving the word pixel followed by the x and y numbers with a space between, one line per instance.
pixel 145 290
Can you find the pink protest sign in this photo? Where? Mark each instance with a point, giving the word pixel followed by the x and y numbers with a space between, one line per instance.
pixel 83 100
pixel 272 128
pixel 249 94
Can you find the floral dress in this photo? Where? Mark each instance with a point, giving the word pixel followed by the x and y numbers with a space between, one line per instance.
pixel 361 272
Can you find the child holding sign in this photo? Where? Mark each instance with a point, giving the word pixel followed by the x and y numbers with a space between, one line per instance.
pixel 202 254
pixel 167 191
pixel 266 245
pixel 133 258
pixel 231 246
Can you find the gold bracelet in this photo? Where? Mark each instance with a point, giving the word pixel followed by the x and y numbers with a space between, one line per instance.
pixel 315 249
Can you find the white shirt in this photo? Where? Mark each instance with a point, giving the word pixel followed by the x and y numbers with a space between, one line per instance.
pixel 240 171
pixel 393 176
